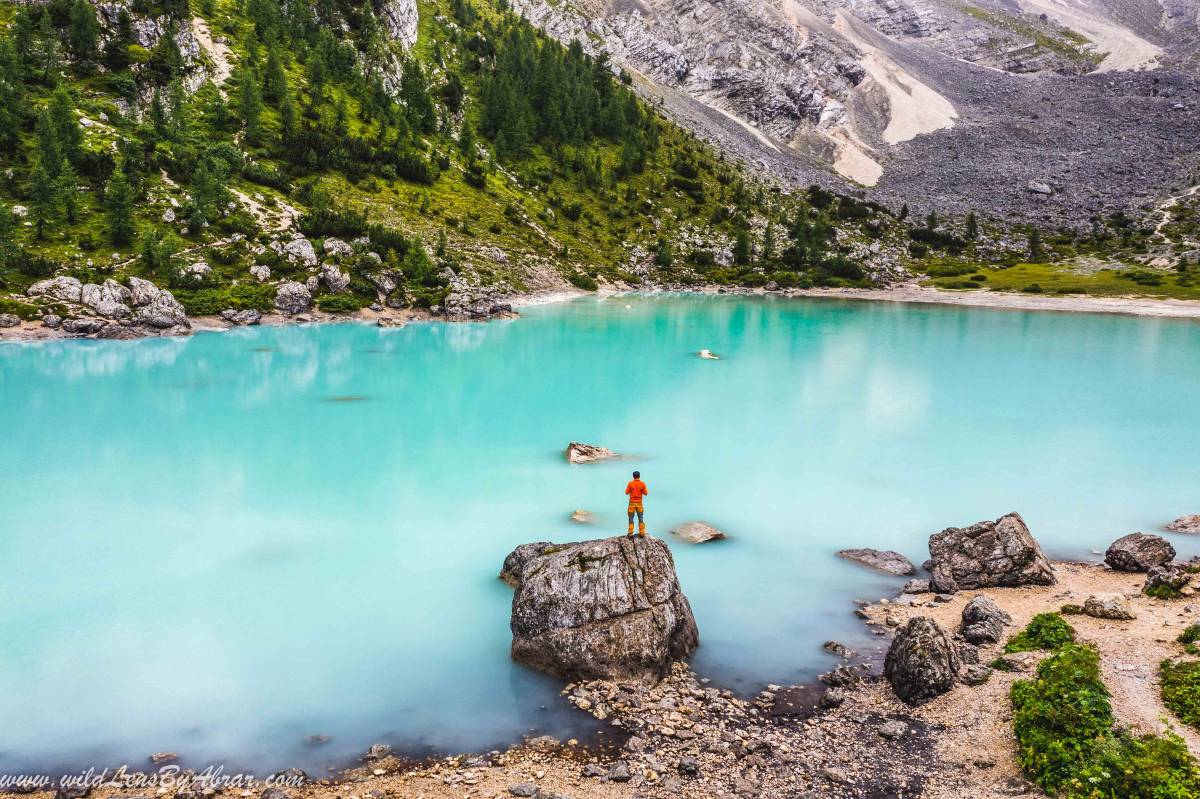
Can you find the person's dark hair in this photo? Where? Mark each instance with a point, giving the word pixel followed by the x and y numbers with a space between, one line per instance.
pixel 637 474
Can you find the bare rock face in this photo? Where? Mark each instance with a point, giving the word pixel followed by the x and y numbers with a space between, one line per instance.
pixel 886 561
pixel 162 311
pixel 987 554
pixel 64 288
pixel 241 318
pixel 110 299
pixel 1108 606
pixel 292 297
pixel 605 609
pixel 698 533
pixel 1139 552
pixel 983 621
pixel 587 453
pixel 1185 524
pixel 922 662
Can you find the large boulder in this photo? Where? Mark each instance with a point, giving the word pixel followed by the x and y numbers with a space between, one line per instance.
pixel 300 250
pixel 142 292
pixel 1166 581
pixel 64 288
pixel 292 297
pixel 248 316
pixel 922 662
pixel 1139 552
pixel 987 554
pixel 983 621
pixel 1108 606
pixel 586 453
pixel 886 561
pixel 334 279
pixel 162 312
pixel 110 299
pixel 605 609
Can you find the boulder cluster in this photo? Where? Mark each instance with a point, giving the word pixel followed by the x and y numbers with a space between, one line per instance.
pixel 111 309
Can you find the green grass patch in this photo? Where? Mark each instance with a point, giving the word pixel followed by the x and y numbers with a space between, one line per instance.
pixel 1180 683
pixel 1066 743
pixel 1058 279
pixel 1044 631
pixel 20 309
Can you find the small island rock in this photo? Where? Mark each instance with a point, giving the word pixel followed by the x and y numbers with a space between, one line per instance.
pixel 886 561
pixel 1185 524
pixel 698 533
pixel 587 453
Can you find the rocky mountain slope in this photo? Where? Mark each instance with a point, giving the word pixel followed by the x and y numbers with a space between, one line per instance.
pixel 948 102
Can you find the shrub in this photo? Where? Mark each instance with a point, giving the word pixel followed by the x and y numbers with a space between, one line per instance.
pixel 340 303
pixel 17 308
pixel 1071 610
pixel 583 281
pixel 1190 635
pixel 1181 688
pixel 1032 288
pixel 1045 631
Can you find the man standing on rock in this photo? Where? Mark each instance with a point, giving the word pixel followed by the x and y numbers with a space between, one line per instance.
pixel 636 490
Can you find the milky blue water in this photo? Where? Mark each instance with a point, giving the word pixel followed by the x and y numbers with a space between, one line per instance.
pixel 223 544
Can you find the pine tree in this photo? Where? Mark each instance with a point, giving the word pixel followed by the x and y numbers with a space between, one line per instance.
pixel 50 152
pixel 83 32
pixel 208 191
pixel 274 78
pixel 287 118
pixel 66 126
pixel 414 91
pixel 118 205
pixel 45 58
pixel 41 196
pixel 1036 253
pixel 116 49
pixel 742 249
pixel 67 189
pixel 249 102
pixel 768 242
pixel 903 212
pixel 466 140
pixel 13 104
pixel 931 221
pixel 972 226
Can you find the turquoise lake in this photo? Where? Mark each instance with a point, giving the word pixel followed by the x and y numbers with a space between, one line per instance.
pixel 223 544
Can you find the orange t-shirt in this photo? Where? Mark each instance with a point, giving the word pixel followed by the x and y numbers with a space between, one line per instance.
pixel 636 490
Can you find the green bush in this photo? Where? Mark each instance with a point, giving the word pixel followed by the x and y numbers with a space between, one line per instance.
pixel 583 281
pixel 340 303
pixel 1045 631
pixel 1181 688
pixel 20 309
pixel 1071 610
pixel 1189 637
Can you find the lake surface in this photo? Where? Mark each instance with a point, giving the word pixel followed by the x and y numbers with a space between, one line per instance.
pixel 223 544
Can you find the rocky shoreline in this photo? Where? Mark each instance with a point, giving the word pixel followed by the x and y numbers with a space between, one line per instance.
pixel 850 734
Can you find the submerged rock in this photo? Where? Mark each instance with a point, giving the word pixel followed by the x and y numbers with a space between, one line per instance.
pixel 886 561
pixel 983 621
pixel 1185 524
pixel 580 516
pixel 1108 606
pixel 587 453
pixel 698 533
pixel 922 662
pixel 987 554
pixel 605 609
pixel 1139 552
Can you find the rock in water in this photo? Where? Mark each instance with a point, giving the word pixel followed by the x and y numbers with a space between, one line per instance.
pixel 1139 552
pixel 1185 524
pixel 698 533
pixel 1108 606
pixel 983 621
pixel 886 561
pixel 922 662
pixel 586 453
pixel 581 516
pixel 605 609
pixel 987 554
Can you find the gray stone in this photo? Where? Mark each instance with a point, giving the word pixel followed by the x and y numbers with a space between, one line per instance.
pixel 975 674
pixel 697 533
pixel 83 327
pixel 916 587
pixel 292 298
pixel 1108 606
pixel 587 453
pixel 604 609
pixel 987 554
pixel 689 766
pixel 1166 581
pixel 893 730
pixel 248 316
pixel 1139 552
pixel 142 292
pixel 337 247
pixel 110 299
pixel 983 621
pixel 1185 524
pixel 619 772
pixel 300 250
pixel 1039 187
pixel 334 279
pixel 163 312
pixel 921 662
pixel 9 320
pixel 886 561
pixel 52 321
pixel 524 789
pixel 260 272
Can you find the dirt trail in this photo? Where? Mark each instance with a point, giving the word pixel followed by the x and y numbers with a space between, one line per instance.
pixel 1167 206
pixel 281 219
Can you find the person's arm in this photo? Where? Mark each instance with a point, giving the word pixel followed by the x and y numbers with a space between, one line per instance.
pixel 645 490
pixel 629 488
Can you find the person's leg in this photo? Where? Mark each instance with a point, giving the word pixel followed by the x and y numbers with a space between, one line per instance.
pixel 630 533
pixel 641 522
